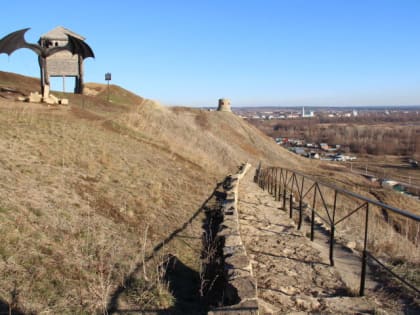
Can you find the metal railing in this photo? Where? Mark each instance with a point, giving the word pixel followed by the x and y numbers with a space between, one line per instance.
pixel 374 224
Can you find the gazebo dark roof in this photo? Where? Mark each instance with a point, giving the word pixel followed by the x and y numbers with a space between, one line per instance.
pixel 59 33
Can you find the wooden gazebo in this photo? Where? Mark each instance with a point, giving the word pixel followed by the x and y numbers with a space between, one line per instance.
pixel 63 63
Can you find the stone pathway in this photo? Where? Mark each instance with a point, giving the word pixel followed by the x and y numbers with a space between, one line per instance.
pixel 291 274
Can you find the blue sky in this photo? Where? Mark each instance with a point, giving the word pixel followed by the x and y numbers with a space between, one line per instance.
pixel 259 52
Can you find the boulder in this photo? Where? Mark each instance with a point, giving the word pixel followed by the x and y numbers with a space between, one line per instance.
pixel 35 97
pixel 51 99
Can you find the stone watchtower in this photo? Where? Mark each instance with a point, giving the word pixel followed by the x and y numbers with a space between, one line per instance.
pixel 224 105
pixel 63 63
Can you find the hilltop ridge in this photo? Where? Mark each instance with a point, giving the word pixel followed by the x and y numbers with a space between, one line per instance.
pixel 89 189
pixel 95 195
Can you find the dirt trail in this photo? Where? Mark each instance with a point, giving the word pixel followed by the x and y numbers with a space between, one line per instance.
pixel 292 274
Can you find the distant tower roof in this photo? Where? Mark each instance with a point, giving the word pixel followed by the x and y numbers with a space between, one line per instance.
pixel 59 33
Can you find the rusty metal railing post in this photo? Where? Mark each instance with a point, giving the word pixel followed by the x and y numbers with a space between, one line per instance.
pixel 300 215
pixel 291 205
pixel 364 255
pixel 313 214
pixel 275 184
pixel 267 180
pixel 280 184
pixel 284 197
pixel 258 172
pixel 261 179
pixel 264 179
pixel 332 245
pixel 257 177
pixel 301 204
pixel 332 223
pixel 285 191
pixel 273 181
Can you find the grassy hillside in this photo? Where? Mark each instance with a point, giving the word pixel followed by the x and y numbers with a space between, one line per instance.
pixel 19 82
pixel 96 194
pixel 88 190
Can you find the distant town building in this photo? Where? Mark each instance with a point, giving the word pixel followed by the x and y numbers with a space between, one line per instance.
pixel 313 155
pixel 299 151
pixel 307 114
pixel 324 146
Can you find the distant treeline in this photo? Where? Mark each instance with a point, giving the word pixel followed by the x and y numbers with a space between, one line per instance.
pixel 373 134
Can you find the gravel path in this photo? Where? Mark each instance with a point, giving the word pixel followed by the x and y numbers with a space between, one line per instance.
pixel 291 274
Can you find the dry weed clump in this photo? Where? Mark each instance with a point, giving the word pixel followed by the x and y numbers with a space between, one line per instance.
pixel 147 288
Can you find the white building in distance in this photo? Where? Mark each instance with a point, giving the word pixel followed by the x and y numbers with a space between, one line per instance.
pixel 305 114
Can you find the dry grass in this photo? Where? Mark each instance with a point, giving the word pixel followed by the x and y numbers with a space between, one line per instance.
pixel 75 197
pixel 212 140
pixel 15 81
pixel 80 184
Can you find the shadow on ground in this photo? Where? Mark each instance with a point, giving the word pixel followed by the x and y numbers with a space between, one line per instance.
pixel 4 309
pixel 184 283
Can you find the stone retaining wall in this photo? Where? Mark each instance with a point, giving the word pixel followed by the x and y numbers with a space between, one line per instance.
pixel 239 286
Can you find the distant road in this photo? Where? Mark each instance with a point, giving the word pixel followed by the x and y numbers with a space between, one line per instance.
pixel 412 182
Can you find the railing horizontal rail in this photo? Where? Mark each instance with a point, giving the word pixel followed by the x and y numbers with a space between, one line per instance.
pixel 404 213
pixel 290 184
pixel 351 213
